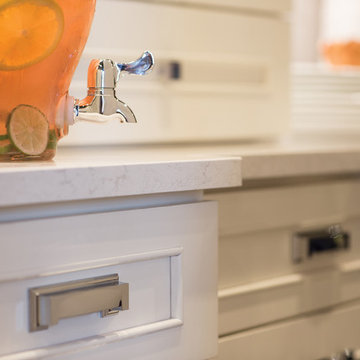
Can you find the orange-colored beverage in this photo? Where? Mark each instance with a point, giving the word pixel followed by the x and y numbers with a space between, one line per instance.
pixel 40 45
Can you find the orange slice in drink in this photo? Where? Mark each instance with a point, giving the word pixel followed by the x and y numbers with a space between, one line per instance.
pixel 29 31
pixel 28 129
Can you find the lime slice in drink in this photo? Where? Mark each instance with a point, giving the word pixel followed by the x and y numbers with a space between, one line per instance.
pixel 28 129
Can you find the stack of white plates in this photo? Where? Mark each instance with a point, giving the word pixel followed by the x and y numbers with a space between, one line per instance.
pixel 325 98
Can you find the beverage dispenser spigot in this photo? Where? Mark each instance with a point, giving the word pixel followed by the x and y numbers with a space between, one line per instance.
pixel 101 103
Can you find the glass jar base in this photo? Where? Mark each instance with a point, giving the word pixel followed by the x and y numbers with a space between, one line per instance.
pixel 19 156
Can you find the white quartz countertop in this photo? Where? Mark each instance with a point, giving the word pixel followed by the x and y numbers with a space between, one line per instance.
pixel 291 156
pixel 297 157
pixel 93 173
pixel 100 172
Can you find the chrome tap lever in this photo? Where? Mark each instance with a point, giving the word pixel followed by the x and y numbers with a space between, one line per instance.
pixel 140 66
pixel 101 103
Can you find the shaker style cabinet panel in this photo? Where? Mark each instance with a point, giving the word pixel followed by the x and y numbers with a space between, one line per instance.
pixel 217 75
pixel 158 253
pixel 149 303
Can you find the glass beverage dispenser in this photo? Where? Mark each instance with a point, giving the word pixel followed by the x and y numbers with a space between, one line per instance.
pixel 41 42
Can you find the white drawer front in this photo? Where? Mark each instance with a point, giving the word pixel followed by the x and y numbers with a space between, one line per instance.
pixel 230 82
pixel 307 338
pixel 257 228
pixel 268 253
pixel 158 251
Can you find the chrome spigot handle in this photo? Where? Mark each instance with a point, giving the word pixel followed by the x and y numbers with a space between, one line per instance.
pixel 105 73
pixel 101 103
pixel 140 66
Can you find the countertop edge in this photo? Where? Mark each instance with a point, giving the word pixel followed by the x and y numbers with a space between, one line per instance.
pixel 59 184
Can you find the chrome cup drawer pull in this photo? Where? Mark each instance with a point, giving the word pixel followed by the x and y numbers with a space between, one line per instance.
pixel 49 304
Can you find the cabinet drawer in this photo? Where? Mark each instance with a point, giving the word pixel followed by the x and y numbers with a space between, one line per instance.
pixel 258 280
pixel 157 251
pixel 222 70
pixel 258 256
pixel 307 338
pixel 257 228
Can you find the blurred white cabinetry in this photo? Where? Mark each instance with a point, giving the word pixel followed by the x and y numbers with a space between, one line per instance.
pixel 231 59
pixel 271 306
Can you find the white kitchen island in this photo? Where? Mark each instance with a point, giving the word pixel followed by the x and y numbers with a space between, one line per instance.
pixel 136 214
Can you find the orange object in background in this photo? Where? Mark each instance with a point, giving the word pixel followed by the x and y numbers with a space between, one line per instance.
pixel 346 53
pixel 339 30
pixel 40 45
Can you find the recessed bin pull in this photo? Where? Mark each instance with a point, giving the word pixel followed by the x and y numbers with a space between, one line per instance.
pixel 308 243
pixel 49 304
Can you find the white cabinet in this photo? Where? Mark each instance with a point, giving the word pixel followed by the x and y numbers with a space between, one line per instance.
pixel 232 59
pixel 167 255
